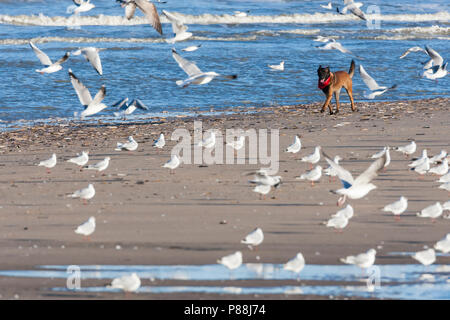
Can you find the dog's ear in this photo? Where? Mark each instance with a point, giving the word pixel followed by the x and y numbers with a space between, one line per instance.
pixel 320 67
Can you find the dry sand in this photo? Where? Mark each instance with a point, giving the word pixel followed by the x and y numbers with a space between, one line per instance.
pixel 158 218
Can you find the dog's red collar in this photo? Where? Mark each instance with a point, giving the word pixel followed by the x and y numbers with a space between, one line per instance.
pixel 324 83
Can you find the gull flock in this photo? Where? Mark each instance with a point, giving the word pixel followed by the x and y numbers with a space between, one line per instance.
pixel 352 188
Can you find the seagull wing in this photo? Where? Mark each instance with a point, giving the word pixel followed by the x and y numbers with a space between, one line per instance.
pixel 93 57
pixel 357 12
pixel 437 59
pixel 372 171
pixel 189 67
pixel 77 2
pixel 177 26
pixel 368 80
pixel 139 104
pixel 82 92
pixel 120 103
pixel 344 175
pixel 63 59
pixel 149 9
pixel 100 95
pixel 45 60
pixel 130 9
pixel 412 49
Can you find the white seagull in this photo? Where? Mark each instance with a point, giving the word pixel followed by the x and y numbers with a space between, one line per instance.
pixel 50 67
pixel 359 187
pixel 261 177
pixel 92 56
pixel 83 6
pixel 232 261
pixel 312 175
pixel 91 106
pixel 173 163
pixel 354 8
pixel 330 171
pixel 296 146
pixel 126 108
pixel 420 160
pixel 296 264
pixel 438 157
pixel 254 238
pixel 374 87
pixel 408 149
pixel 334 45
pixel 208 142
pixel 413 49
pixel 99 166
pixel 322 39
pixel 444 244
pixel 196 76
pixel 238 144
pixel 148 8
pixel 445 178
pixel 445 186
pixel 277 67
pixel 128 283
pixel 328 6
pixel 312 158
pixel 85 193
pixel 87 228
pixel 191 48
pixel 179 29
pixel 130 145
pixel 436 72
pixel 425 257
pixel 262 189
pixel 49 163
pixel 422 167
pixel 160 142
pixel 362 260
pixel 346 212
pixel 81 159
pixel 241 13
pixel 338 222
pixel 397 207
pixel 440 169
pixel 434 211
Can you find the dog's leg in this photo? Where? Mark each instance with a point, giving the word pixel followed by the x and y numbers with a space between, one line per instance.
pixel 327 103
pixel 336 97
pixel 350 95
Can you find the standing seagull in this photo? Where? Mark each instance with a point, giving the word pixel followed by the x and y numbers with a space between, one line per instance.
pixel 130 145
pixel 128 283
pixel 296 146
pixel 254 238
pixel 81 159
pixel 99 166
pixel 312 158
pixel 362 260
pixel 397 207
pixel 160 142
pixel 425 257
pixel 173 163
pixel 196 76
pixel 91 55
pixel 372 84
pixel 313 175
pixel 148 8
pixel 296 264
pixel 434 211
pixel 232 261
pixel 49 163
pixel 91 106
pixel 179 29
pixel 359 187
pixel 208 142
pixel 440 169
pixel 87 228
pixel 407 150
pixel 85 194
pixel 50 67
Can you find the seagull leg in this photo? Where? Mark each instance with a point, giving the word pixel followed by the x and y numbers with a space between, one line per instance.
pixel 397 218
pixel 312 183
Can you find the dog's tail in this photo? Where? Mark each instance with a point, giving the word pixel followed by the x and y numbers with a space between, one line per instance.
pixel 352 69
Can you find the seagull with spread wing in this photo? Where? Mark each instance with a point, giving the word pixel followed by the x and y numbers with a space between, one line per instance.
pixel 91 106
pixel 148 8
pixel 196 76
pixel 179 29
pixel 354 8
pixel 359 187
pixel 50 67
pixel 91 55
pixel 372 84
pixel 128 108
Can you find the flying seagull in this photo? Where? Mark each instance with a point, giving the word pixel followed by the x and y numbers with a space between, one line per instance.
pixel 126 108
pixel 354 8
pixel 196 76
pixel 148 8
pixel 91 55
pixel 372 84
pixel 83 6
pixel 179 29
pixel 91 106
pixel 50 67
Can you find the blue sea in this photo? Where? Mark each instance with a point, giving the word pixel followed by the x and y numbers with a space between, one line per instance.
pixel 138 62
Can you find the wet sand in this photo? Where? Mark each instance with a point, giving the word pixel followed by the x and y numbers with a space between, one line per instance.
pixel 158 218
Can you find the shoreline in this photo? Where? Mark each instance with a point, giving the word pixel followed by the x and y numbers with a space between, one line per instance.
pixel 175 219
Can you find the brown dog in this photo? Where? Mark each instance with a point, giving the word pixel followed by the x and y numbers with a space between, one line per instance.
pixel 332 83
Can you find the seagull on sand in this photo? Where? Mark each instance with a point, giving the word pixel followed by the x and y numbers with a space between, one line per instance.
pixel 425 257
pixel 445 178
pixel 434 211
pixel 99 166
pixel 362 260
pixel 49 163
pixel 440 169
pixel 232 261
pixel 312 175
pixel 296 146
pixel 91 55
pixel 130 145
pixel 85 193
pixel 238 144
pixel 330 171
pixel 354 8
pixel 126 108
pixel 173 163
pixel 296 264
pixel 420 160
pixel 397 207
pixel 83 6
pixel 277 67
pixel 445 186
pixel 81 159
pixel 91 106
pixel 148 8
pixel 50 67
pixel 337 222
pixel 87 228
pixel 374 87
pixel 438 158
pixel 408 149
pixel 254 238
pixel 312 158
pixel 359 187
pixel 262 189
pixel 423 167
pixel 160 142
pixel 208 142
pixel 128 283
pixel 264 182
pixel 444 244
pixel 347 212
pixel 196 76
pixel 179 29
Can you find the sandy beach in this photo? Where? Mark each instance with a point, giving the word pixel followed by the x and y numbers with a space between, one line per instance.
pixel 147 216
